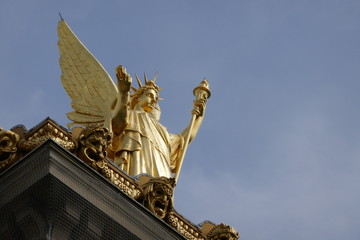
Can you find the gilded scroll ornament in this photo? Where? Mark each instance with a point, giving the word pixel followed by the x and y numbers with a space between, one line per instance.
pixel 140 144
pixel 124 183
pixel 17 142
pixel 223 232
pixel 47 130
pixel 183 227
pixel 8 148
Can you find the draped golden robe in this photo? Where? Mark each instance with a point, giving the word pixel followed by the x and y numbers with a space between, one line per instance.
pixel 145 146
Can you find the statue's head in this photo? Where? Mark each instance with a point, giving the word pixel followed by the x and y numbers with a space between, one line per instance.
pixel 93 142
pixel 158 195
pixel 146 96
pixel 8 147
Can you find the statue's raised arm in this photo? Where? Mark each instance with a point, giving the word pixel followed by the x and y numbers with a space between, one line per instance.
pixel 119 119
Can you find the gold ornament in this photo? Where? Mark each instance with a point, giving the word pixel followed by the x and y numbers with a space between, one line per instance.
pixel 8 148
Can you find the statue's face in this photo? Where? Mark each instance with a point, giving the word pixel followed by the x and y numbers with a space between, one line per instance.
pixel 8 149
pixel 148 100
pixel 159 199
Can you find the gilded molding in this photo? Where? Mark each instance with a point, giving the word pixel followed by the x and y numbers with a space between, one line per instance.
pixel 17 142
pixel 47 130
pixel 124 184
pixel 187 230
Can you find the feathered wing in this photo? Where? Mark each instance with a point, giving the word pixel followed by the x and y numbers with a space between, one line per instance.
pixel 91 89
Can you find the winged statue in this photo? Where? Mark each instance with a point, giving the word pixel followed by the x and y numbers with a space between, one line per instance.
pixel 140 144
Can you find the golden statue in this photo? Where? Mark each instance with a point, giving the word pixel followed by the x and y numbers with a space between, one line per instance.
pixel 140 144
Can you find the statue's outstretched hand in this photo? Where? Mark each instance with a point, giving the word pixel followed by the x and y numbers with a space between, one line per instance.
pixel 199 106
pixel 124 79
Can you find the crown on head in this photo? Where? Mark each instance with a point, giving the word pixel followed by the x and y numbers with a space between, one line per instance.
pixel 149 85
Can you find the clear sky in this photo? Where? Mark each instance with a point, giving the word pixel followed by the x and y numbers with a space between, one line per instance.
pixel 278 154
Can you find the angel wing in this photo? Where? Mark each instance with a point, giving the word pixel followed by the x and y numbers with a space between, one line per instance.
pixel 93 93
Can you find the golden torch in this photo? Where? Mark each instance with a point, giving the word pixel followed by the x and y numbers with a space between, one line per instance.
pixel 201 92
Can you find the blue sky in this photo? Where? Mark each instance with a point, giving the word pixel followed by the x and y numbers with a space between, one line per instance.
pixel 278 154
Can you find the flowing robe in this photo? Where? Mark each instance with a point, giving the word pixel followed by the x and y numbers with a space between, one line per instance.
pixel 145 146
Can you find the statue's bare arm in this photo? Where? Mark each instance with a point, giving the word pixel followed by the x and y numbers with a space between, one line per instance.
pixel 120 113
